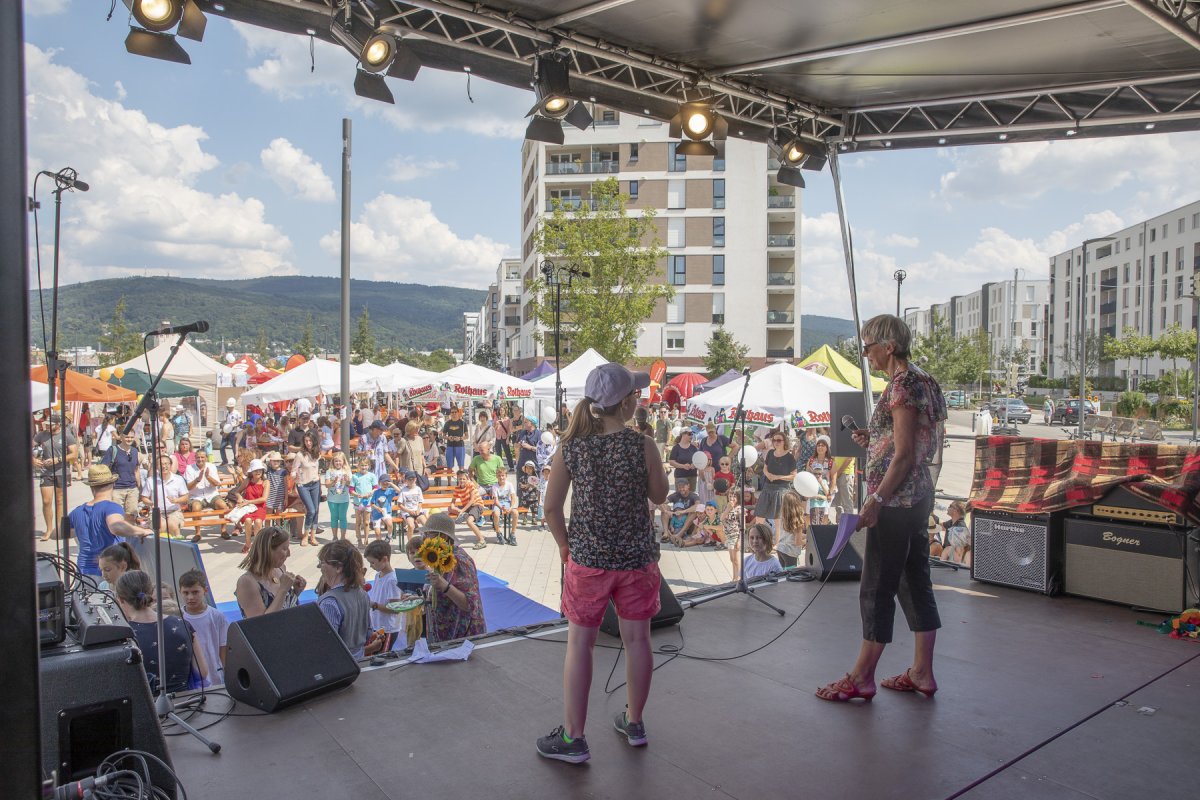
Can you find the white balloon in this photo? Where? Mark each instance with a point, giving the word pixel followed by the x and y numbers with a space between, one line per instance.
pixel 549 415
pixel 700 459
pixel 547 438
pixel 750 454
pixel 676 431
pixel 806 484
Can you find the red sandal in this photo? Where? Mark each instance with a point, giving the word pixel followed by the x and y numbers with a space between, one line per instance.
pixel 843 691
pixel 903 683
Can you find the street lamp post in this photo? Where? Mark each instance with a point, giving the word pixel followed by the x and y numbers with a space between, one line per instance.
pixel 553 275
pixel 899 275
pixel 1081 333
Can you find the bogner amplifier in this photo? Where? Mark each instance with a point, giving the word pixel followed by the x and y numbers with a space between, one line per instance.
pixel 1120 503
pixel 1019 550
pixel 1144 566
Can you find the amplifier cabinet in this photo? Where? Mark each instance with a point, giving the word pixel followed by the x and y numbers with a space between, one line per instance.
pixel 1023 551
pixel 1144 566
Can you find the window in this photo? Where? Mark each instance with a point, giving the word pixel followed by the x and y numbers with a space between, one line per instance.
pixel 1126 242
pixel 718 316
pixel 718 271
pixel 718 231
pixel 675 340
pixel 633 151
pixel 719 160
pixel 1153 234
pixel 719 193
pixel 607 117
pixel 1163 323
pixel 1032 330
pixel 675 161
pixel 633 190
pixel 677 271
pixel 676 194
pixel 1165 226
pixel 1164 290
pixel 1141 238
pixel 1125 298
pixel 675 310
pixel 1196 220
pixel 1180 225
pixel 675 232
pixel 1028 294
pixel 1178 286
pixel 1178 314
pixel 1124 321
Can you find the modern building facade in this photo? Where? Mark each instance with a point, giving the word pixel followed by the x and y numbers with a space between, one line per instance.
pixel 1139 280
pixel 729 229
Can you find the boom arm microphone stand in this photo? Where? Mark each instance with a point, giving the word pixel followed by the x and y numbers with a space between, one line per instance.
pixel 164 704
pixel 740 587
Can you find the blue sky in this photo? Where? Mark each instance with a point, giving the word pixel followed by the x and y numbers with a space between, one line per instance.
pixel 230 167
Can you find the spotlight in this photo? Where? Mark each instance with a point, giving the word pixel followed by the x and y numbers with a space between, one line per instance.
pixel 155 19
pixel 383 53
pixel 794 154
pixel 552 87
pixel 790 176
pixel 697 121
pixel 372 87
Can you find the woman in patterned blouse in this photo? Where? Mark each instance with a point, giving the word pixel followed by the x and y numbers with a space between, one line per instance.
pixel 902 438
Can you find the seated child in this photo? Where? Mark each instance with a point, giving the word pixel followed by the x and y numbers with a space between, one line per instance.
pixel 759 561
pixel 381 506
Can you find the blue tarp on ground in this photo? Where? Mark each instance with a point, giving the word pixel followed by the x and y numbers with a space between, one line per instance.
pixel 502 607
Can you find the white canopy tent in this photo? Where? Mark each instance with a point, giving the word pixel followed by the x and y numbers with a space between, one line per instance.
pixel 314 377
pixel 398 375
pixel 192 368
pixel 780 393
pixel 39 395
pixel 574 377
pixel 469 382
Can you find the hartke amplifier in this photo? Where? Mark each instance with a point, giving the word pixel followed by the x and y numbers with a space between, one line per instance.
pixel 669 612
pixel 280 659
pixel 1144 566
pixel 1023 551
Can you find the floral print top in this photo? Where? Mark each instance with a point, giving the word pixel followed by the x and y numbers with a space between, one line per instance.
pixel 610 519
pixel 915 389
pixel 446 620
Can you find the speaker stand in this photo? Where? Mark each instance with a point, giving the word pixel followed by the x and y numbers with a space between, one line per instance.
pixel 940 564
pixel 165 706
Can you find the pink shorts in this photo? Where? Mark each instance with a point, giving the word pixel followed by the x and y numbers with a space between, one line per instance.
pixel 587 590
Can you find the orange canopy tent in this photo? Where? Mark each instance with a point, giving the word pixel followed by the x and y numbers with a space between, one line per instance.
pixel 82 389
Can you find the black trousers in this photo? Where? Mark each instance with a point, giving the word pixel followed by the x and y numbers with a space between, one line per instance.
pixel 896 565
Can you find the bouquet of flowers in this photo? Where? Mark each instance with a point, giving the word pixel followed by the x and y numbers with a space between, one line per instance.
pixel 437 554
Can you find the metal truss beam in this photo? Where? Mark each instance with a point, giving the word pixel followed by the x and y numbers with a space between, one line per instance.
pixel 1179 17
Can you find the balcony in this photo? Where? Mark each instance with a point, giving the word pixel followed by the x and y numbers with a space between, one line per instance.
pixel 1108 308
pixel 781 279
pixel 783 352
pixel 781 317
pixel 570 203
pixel 582 167
pixel 781 240
pixel 512 321
pixel 781 201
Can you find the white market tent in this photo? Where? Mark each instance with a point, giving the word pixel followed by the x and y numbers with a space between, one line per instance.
pixel 398 375
pixel 39 395
pixel 473 382
pixel 314 377
pixel 191 368
pixel 778 393
pixel 574 377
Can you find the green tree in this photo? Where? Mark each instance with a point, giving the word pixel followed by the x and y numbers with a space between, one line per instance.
pixel 119 340
pixel 850 349
pixel 1175 343
pixel 1093 355
pixel 621 254
pixel 724 353
pixel 307 346
pixel 937 350
pixel 363 346
pixel 487 356
pixel 1132 346
pixel 262 347
pixel 437 361
pixel 971 359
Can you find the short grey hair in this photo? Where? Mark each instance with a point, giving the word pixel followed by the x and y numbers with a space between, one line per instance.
pixel 889 328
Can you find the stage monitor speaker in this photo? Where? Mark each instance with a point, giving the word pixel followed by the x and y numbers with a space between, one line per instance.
pixel 669 613
pixel 94 703
pixel 840 405
pixel 847 566
pixel 1144 566
pixel 277 660
pixel 1023 551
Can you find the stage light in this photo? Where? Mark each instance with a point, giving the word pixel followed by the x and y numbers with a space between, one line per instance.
pixel 155 19
pixel 790 176
pixel 372 87
pixel 157 15
pixel 697 121
pixel 378 52
pixel 552 87
pixel 796 153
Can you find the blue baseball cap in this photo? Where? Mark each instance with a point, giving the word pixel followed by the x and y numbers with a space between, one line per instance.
pixel 609 384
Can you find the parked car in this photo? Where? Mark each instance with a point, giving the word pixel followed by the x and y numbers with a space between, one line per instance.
pixel 1066 412
pixel 1014 409
pixel 956 398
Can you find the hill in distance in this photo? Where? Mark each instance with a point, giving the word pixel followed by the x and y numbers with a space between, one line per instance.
pixel 404 315
pixel 816 330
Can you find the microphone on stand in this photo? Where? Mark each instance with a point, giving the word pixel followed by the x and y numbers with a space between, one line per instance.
pixel 67 178
pixel 199 326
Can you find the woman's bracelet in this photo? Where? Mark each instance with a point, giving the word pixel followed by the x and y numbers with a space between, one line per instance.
pixel 449 586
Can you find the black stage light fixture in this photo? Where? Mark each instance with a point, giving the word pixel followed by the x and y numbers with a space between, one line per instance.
pixel 155 19
pixel 552 87
pixel 372 87
pixel 790 176
pixel 794 154
pixel 383 53
pixel 697 120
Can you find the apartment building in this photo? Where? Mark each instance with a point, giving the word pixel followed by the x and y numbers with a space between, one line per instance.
pixel 1139 279
pixel 498 320
pixel 472 333
pixel 729 228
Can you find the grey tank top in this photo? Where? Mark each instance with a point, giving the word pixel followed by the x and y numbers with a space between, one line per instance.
pixel 356 617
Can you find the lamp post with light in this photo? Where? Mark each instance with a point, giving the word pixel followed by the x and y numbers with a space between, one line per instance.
pixel 1081 332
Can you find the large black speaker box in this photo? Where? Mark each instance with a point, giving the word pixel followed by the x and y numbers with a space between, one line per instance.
pixel 1023 551
pixel 1139 565
pixel 94 703
pixel 669 613
pixel 847 566
pixel 841 404
pixel 281 659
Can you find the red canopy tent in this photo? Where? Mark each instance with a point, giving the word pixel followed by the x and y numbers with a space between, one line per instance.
pixel 686 383
pixel 255 372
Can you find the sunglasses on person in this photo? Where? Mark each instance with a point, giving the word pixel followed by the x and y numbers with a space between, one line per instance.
pixel 867 347
pixel 778 439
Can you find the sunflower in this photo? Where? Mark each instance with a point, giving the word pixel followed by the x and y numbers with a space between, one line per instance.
pixel 448 563
pixel 429 554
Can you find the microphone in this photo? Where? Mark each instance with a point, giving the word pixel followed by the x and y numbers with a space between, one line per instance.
pixel 746 371
pixel 67 178
pixel 848 423
pixel 195 327
pixel 74 183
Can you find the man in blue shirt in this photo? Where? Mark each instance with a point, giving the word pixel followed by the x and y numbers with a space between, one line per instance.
pixel 98 524
pixel 182 423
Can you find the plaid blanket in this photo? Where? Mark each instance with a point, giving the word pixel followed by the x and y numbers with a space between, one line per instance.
pixel 1034 476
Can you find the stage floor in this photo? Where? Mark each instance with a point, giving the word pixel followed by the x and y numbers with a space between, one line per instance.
pixel 1014 669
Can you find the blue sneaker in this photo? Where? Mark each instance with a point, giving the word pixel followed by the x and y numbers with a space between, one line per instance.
pixel 635 732
pixel 555 745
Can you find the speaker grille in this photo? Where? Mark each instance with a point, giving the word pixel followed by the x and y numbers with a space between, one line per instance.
pixel 1128 564
pixel 1011 551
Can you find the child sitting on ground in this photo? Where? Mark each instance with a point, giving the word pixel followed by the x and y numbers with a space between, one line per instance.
pixel 209 625
pixel 759 561
pixel 710 525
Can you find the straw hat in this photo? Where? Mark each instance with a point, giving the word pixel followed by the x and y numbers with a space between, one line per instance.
pixel 99 475
pixel 442 524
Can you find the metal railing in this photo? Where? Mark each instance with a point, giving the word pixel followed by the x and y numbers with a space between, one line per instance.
pixel 781 240
pixel 781 352
pixel 781 279
pixel 582 167
pixel 781 317
pixel 570 203
pixel 781 201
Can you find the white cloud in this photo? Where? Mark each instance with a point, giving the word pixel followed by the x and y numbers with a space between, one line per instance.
pixel 295 171
pixel 435 101
pixel 121 93
pixel 900 240
pixel 401 239
pixel 408 168
pixel 46 8
pixel 144 212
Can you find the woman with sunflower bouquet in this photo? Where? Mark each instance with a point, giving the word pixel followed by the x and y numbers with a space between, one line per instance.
pixel 455 604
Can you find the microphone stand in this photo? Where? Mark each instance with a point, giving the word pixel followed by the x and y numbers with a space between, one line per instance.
pixel 740 586
pixel 164 704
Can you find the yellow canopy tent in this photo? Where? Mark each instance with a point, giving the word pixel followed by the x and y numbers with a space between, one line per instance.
pixel 832 364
